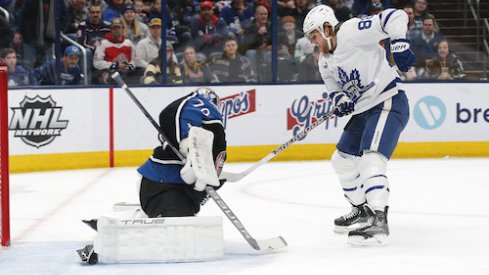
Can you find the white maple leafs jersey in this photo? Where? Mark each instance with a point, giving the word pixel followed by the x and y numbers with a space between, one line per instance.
pixel 359 60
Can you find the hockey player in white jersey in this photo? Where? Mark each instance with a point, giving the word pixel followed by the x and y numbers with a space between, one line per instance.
pixel 360 81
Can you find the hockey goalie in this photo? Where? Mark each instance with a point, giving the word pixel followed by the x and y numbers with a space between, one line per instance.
pixel 164 228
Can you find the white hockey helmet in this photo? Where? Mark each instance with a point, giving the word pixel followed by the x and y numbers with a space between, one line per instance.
pixel 210 95
pixel 316 18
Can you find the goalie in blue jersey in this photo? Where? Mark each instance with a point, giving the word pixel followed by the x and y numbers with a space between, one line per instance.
pixel 169 186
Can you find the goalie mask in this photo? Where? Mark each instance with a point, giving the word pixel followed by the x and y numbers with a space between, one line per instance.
pixel 210 95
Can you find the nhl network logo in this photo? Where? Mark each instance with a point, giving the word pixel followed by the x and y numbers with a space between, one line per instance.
pixel 37 121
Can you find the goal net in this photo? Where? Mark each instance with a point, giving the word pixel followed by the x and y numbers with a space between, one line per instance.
pixel 4 171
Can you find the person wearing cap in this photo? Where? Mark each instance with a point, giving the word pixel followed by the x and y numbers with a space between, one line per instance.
pixel 70 73
pixel 115 53
pixel 147 49
pixel 153 73
pixel 207 30
pixel 134 29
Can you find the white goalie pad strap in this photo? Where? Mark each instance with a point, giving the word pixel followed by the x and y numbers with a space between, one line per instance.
pixel 146 240
pixel 200 155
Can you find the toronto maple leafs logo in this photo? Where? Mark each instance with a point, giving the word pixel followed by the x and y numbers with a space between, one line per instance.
pixel 352 84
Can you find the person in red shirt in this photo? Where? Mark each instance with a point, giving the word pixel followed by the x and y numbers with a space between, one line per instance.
pixel 116 53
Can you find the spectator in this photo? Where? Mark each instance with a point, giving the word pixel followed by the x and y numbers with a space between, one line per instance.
pixel 133 29
pixel 288 37
pixel 153 75
pixel 183 16
pixel 113 10
pixel 299 12
pixel 148 48
pixel 17 75
pixel 37 27
pixel 413 29
pixel 208 30
pixel 303 47
pixel 155 10
pixel 115 53
pixel 70 71
pixel 193 70
pixel 285 7
pixel 76 13
pixel 421 12
pixel 231 66
pixel 140 14
pixel 90 32
pixel 425 46
pixel 7 36
pixel 258 41
pixel 308 69
pixel 236 15
pixel 444 65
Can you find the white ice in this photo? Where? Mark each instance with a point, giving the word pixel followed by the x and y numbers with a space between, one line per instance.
pixel 439 221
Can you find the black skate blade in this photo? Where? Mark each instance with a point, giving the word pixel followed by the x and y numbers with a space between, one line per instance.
pixel 92 223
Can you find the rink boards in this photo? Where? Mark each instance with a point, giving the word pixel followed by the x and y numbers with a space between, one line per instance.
pixel 52 129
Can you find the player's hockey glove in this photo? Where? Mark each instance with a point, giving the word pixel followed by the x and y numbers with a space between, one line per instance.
pixel 403 56
pixel 343 105
pixel 114 66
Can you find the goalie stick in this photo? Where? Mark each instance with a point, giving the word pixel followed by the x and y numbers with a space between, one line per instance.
pixel 233 177
pixel 262 245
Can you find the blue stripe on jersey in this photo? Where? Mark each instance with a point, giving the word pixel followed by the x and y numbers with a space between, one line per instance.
pixel 161 173
pixel 349 189
pixel 387 18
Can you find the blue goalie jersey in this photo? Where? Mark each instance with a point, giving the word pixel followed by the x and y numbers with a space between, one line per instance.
pixel 193 110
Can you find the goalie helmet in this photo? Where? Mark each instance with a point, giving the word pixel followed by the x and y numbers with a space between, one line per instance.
pixel 316 18
pixel 210 95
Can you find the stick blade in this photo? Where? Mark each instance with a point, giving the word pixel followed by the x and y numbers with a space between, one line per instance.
pixel 271 244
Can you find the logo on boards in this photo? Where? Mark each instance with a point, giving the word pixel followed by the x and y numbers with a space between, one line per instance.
pixel 304 111
pixel 237 105
pixel 429 112
pixel 37 121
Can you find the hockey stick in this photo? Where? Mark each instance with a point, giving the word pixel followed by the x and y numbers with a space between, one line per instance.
pixel 233 177
pixel 264 245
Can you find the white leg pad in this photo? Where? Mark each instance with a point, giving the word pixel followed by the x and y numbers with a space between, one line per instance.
pixel 372 167
pixel 346 167
pixel 145 240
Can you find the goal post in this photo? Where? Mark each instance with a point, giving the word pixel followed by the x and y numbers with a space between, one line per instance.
pixel 4 158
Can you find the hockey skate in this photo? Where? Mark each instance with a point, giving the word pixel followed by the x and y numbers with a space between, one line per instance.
pixel 374 234
pixel 88 255
pixel 359 216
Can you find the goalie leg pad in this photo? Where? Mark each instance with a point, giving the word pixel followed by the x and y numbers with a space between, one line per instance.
pixel 372 167
pixel 147 240
pixel 346 167
pixel 200 155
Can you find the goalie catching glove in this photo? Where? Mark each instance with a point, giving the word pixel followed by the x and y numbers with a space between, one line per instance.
pixel 199 168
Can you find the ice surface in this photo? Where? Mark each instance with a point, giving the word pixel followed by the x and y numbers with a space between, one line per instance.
pixel 439 221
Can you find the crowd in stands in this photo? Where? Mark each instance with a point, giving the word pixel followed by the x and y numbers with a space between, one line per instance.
pixel 206 41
